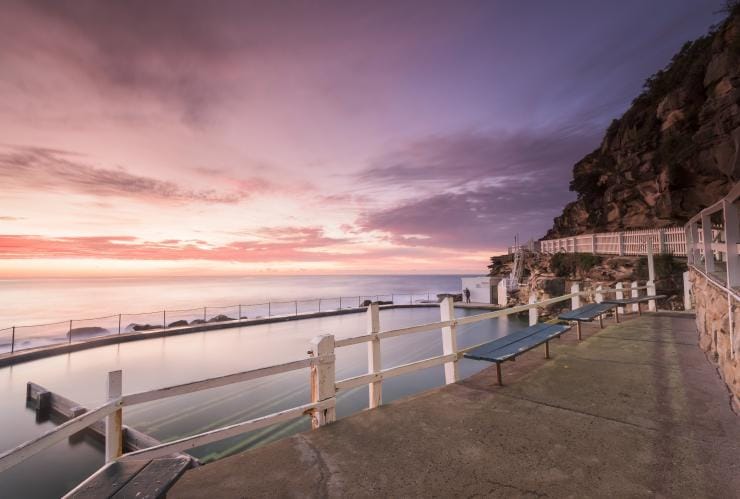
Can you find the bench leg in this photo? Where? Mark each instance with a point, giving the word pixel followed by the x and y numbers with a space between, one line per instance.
pixel 616 314
pixel 547 349
pixel 578 328
pixel 498 373
pixel 601 321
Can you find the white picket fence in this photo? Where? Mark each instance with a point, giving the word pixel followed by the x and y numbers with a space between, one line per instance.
pixel 632 242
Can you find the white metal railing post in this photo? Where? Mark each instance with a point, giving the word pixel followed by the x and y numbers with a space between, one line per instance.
pixel 686 291
pixel 694 230
pixel 620 296
pixel 533 310
pixel 620 243
pixel 706 229
pixel 373 355
pixel 323 380
pixel 599 296
pixel 651 292
pixel 449 339
pixel 114 421
pixel 635 294
pixel 732 237
pixel 575 302
pixel 661 242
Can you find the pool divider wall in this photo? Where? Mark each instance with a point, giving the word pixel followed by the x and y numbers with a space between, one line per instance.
pixel 17 357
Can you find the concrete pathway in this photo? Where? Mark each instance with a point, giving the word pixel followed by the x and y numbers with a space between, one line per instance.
pixel 634 410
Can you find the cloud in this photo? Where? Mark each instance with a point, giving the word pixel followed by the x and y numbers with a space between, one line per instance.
pixel 11 219
pixel 274 244
pixel 37 168
pixel 478 190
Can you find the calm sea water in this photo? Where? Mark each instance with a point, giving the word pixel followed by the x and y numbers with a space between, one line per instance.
pixel 36 301
pixel 171 360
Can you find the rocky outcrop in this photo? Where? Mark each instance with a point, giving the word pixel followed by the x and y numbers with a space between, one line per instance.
pixel 712 321
pixel 675 151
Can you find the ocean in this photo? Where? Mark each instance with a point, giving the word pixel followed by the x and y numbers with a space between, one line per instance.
pixel 36 301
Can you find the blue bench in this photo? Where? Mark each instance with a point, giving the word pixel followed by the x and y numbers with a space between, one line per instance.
pixel 511 345
pixel 636 299
pixel 587 313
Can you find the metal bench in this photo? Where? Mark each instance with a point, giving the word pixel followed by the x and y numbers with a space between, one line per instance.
pixel 587 313
pixel 636 299
pixel 512 345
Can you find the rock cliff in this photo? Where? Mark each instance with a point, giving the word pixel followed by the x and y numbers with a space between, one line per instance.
pixel 676 149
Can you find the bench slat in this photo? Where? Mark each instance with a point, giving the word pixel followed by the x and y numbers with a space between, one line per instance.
pixel 638 299
pixel 498 351
pixel 587 312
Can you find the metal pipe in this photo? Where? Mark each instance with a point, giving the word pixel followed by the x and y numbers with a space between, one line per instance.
pixel 164 319
pixel 12 341
pixel 119 323
pixel 70 331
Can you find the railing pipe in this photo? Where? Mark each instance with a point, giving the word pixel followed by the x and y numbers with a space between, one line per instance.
pixel 374 365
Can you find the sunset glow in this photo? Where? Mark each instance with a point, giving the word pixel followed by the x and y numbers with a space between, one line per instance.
pixel 270 137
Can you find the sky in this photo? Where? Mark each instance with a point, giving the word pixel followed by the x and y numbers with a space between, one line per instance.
pixel 247 137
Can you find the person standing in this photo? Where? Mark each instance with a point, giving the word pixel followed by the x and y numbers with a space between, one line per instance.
pixel 467 295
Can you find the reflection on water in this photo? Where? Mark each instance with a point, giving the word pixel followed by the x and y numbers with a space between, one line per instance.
pixel 159 362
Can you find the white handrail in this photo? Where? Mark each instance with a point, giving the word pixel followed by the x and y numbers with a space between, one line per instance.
pixel 55 435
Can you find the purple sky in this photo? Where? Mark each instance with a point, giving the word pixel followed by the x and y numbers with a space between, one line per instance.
pixel 209 137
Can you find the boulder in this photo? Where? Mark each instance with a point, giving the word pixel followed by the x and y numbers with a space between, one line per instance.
pixel 179 323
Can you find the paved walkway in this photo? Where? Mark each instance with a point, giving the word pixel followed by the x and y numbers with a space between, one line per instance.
pixel 635 410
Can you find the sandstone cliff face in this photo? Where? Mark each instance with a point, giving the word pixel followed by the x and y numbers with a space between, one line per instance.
pixel 675 151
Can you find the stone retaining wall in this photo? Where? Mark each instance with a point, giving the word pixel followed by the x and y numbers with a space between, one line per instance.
pixel 712 314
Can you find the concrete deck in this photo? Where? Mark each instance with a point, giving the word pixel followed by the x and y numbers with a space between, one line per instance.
pixel 635 410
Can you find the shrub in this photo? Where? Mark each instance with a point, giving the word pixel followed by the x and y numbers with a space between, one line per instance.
pixel 573 264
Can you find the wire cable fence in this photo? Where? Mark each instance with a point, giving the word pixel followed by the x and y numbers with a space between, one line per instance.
pixel 17 338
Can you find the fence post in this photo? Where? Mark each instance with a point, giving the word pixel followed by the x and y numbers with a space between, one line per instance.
pixel 449 338
pixel 620 242
pixel 686 291
pixel 114 421
pixel 651 260
pixel 635 294
pixel 620 296
pixel 575 302
pixel 296 307
pixel 533 310
pixel 12 340
pixel 599 296
pixel 240 312
pixel 319 305
pixel 323 377
pixel 661 241
pixel 501 297
pixel 732 237
pixel 340 303
pixel 164 319
pixel 119 323
pixel 70 332
pixel 269 309
pixel 373 355
pixel 204 314
pixel 593 243
pixel 651 292
pixel 706 228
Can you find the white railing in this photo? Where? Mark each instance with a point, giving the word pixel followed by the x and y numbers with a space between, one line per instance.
pixel 713 236
pixel 632 242
pixel 324 386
